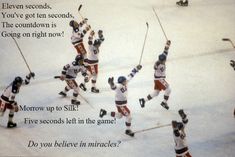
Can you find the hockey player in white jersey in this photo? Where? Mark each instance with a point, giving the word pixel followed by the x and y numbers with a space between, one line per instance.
pixel 93 59
pixel 69 74
pixel 121 99
pixel 78 34
pixel 7 100
pixel 181 147
pixel 159 79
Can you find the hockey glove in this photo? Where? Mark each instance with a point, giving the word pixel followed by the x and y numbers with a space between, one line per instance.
pixel 110 81
pixel 138 67
pixel 32 74
pixel 100 32
pixel 84 74
pixel 88 28
pixel 232 63
pixel 92 33
pixel 85 20
pixel 168 42
pixel 183 116
pixel 62 77
pixel 86 79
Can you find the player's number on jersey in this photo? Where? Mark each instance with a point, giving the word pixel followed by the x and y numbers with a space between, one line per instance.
pixel 123 90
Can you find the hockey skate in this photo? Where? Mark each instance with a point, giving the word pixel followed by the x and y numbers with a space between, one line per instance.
pixel 62 94
pixel 75 102
pixel 163 104
pixel 11 125
pixel 82 86
pixel 181 3
pixel 102 113
pixel 95 90
pixel 142 102
pixel 130 133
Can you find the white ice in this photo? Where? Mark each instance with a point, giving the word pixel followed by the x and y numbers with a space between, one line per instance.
pixel 198 71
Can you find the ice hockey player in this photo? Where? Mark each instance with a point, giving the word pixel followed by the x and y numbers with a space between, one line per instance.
pixel 181 3
pixel 181 148
pixel 232 63
pixel 93 59
pixel 78 34
pixel 121 99
pixel 159 79
pixel 69 74
pixel 7 100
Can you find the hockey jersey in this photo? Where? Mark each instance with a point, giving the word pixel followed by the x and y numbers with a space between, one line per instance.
pixel 78 34
pixel 70 71
pixel 93 53
pixel 121 90
pixel 181 146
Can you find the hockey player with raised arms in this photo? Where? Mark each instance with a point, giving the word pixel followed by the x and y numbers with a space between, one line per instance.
pixel 93 59
pixel 69 74
pixel 7 100
pixel 159 79
pixel 78 34
pixel 181 147
pixel 121 99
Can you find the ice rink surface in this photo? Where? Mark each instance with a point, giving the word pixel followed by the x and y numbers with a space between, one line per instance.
pixel 198 71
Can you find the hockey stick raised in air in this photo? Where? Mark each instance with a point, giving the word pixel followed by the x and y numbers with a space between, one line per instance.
pixel 229 40
pixel 22 54
pixel 160 23
pixel 144 42
pixel 155 127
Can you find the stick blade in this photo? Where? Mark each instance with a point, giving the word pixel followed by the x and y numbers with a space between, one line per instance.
pixel 80 6
pixel 225 39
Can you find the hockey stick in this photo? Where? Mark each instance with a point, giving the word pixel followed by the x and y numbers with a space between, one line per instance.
pixel 160 23
pixel 144 42
pixel 156 127
pixel 22 54
pixel 229 40
pixel 79 8
pixel 56 77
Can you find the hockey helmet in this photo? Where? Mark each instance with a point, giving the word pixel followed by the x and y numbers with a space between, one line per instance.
pixel 79 59
pixel 121 79
pixel 18 80
pixel 162 57
pixel 97 42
